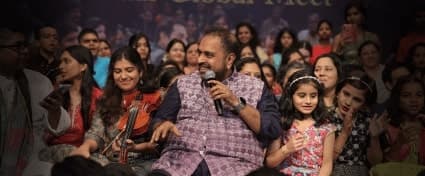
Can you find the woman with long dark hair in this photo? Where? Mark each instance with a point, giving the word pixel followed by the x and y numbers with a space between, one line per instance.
pixel 247 35
pixel 122 89
pixel 76 67
pixel 285 39
pixel 140 42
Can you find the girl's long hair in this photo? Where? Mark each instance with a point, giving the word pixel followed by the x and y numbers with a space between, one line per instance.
pixel 278 47
pixel 110 104
pixel 286 106
pixel 83 56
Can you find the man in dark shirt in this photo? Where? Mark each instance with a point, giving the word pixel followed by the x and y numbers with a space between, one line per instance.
pixel 43 59
pixel 198 140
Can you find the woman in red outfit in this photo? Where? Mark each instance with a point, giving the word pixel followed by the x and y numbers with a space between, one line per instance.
pixel 76 63
pixel 324 31
pixel 103 140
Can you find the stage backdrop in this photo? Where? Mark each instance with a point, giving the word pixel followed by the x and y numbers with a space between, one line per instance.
pixel 387 18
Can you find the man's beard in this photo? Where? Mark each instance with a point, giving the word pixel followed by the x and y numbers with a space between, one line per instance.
pixel 220 75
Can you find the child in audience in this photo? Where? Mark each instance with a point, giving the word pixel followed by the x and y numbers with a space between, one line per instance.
pixel 406 132
pixel 357 133
pixel 324 31
pixel 306 146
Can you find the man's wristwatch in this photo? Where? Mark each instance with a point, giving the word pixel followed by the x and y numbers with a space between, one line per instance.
pixel 240 105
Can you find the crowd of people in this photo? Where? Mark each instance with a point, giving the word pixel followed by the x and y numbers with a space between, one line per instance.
pixel 217 103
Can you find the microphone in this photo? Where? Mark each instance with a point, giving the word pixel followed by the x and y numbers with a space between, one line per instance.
pixel 210 75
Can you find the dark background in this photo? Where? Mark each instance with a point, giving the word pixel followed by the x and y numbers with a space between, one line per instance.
pixel 387 18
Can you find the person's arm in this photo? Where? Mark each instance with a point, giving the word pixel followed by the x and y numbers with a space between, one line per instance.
pixel 326 168
pixel 270 128
pixel 337 43
pixel 169 108
pixel 277 153
pixel 264 121
pixel 57 119
pixel 93 138
pixel 345 133
pixel 340 143
pixel 374 152
pixel 376 129
pixel 58 126
pixel 248 114
pixel 251 116
pixel 166 116
pixel 274 154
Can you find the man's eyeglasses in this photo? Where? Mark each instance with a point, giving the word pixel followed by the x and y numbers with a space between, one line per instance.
pixel 17 47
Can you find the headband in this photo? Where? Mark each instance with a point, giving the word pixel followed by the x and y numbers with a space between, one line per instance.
pixel 358 79
pixel 303 77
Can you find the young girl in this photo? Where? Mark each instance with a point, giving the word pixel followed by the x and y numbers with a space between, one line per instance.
pixel 306 145
pixel 285 39
pixel 356 141
pixel 324 31
pixel 406 131
pixel 305 48
pixel 404 137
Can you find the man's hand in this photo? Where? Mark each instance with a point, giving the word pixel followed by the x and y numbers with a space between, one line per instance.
pixel 52 103
pixel 161 132
pixel 221 91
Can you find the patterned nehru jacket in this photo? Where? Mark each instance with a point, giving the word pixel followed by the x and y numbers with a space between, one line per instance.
pixel 226 143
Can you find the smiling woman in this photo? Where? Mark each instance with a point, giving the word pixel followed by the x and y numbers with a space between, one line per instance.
pixel 122 93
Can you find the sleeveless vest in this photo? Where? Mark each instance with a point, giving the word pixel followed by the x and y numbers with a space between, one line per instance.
pixel 225 142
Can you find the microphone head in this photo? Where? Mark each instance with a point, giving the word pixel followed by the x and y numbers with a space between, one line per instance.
pixel 209 74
